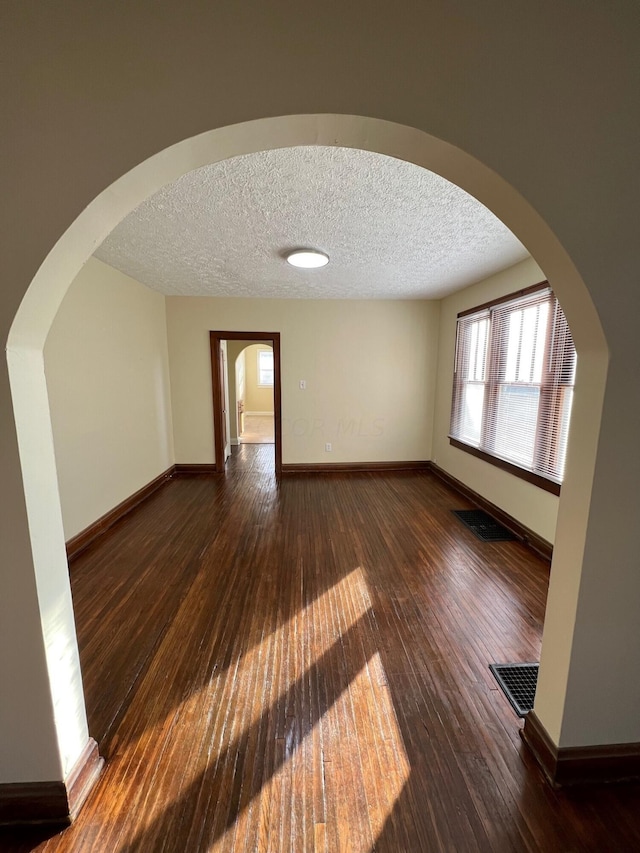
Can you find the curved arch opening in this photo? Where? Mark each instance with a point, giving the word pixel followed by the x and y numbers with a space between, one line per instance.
pixel 38 309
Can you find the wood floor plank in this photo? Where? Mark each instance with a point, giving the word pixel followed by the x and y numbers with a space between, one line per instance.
pixel 303 666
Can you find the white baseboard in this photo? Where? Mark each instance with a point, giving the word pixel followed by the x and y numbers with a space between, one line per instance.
pixel 235 442
pixel 258 414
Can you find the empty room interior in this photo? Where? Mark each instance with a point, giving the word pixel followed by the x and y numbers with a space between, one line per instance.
pixel 318 432
pixel 374 615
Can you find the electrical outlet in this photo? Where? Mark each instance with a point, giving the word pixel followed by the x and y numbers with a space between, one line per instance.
pixel 327 447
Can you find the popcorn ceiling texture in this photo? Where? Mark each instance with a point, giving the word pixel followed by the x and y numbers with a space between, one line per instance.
pixel 391 229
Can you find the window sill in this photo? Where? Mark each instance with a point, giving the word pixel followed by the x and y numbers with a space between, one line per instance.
pixel 521 473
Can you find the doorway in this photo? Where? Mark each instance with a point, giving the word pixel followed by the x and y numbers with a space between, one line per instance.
pixel 221 412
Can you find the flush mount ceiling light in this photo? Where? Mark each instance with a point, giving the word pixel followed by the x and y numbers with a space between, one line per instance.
pixel 307 259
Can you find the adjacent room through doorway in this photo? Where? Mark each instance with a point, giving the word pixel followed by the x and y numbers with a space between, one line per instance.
pixel 245 373
pixel 251 387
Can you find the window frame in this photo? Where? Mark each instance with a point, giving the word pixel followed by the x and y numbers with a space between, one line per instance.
pixel 259 354
pixel 556 352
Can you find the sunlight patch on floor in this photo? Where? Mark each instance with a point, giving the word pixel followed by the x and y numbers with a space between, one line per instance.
pixel 310 701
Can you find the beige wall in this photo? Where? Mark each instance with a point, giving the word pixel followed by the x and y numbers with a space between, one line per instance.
pixel 533 507
pixel 108 380
pixel 369 367
pixel 257 398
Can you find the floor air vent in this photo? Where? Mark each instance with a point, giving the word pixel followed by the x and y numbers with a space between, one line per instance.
pixel 483 525
pixel 518 682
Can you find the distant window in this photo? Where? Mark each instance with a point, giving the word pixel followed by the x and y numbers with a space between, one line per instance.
pixel 513 385
pixel 265 368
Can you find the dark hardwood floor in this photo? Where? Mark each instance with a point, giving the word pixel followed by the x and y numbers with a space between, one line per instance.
pixel 303 666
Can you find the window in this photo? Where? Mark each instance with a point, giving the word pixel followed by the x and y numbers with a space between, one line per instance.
pixel 513 385
pixel 265 368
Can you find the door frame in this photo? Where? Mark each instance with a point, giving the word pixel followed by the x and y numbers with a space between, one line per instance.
pixel 272 338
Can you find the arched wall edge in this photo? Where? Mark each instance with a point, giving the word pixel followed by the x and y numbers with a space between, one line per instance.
pixel 39 306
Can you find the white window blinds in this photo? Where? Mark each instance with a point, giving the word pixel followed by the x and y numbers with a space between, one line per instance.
pixel 513 382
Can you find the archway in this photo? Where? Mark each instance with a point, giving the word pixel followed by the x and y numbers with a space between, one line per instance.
pixel 38 308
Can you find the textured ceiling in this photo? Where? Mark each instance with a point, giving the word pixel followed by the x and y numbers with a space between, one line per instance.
pixel 391 229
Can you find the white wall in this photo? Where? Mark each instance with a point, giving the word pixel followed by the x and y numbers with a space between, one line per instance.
pixel 241 382
pixel 369 366
pixel 530 505
pixel 235 373
pixel 107 376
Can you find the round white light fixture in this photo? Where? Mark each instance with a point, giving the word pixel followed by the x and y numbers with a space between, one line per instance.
pixel 307 259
